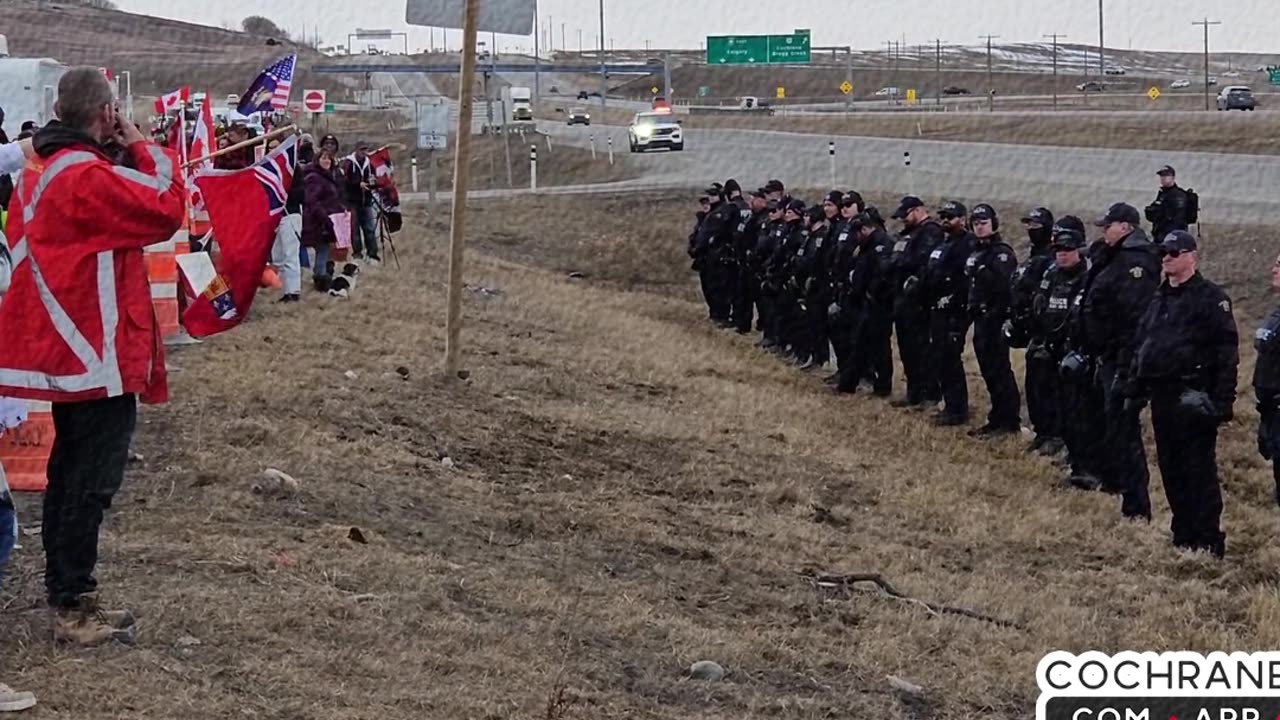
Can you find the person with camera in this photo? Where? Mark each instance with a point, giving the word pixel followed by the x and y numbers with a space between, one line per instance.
pixel 1122 279
pixel 1184 365
pixel 1266 384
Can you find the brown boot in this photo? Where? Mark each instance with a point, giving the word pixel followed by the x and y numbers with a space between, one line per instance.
pixel 87 626
pixel 118 619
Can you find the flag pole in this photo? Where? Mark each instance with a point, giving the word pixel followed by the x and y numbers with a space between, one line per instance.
pixel 277 133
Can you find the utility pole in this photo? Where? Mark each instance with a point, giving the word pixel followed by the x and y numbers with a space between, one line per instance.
pixel 937 69
pixel 564 46
pixel 991 91
pixel 893 75
pixel 1102 67
pixel 604 82
pixel 1055 37
pixel 1206 23
pixel 537 62
pixel 579 42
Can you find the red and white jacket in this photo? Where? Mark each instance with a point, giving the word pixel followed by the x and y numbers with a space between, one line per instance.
pixel 77 322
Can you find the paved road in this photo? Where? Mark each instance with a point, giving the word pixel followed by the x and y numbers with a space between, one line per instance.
pixel 1241 188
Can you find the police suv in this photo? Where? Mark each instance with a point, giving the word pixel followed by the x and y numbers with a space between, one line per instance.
pixel 655 129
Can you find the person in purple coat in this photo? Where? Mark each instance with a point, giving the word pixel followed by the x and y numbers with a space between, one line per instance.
pixel 323 198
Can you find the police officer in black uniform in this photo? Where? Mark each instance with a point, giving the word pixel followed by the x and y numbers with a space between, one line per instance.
pixel 813 287
pixel 843 243
pixel 714 248
pixel 1040 373
pixel 946 289
pixel 1122 279
pixel 772 235
pixel 1185 364
pixel 1266 384
pixel 871 292
pixel 698 255
pixel 919 236
pixel 751 220
pixel 1171 209
pixel 990 270
pixel 781 277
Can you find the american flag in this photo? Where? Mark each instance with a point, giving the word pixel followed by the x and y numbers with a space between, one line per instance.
pixel 270 91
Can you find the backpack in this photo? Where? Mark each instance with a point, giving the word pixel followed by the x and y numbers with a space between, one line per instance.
pixel 1193 207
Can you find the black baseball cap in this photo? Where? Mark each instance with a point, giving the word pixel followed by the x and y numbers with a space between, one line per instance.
pixel 1166 170
pixel 1120 212
pixel 796 206
pixel 715 189
pixel 774 186
pixel 816 214
pixel 850 198
pixel 1069 222
pixel 835 197
pixel 983 212
pixel 1039 216
pixel 1067 238
pixel 908 203
pixel 1178 241
pixel 952 209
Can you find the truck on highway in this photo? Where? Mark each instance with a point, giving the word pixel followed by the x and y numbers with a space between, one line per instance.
pixel 521 104
pixel 29 87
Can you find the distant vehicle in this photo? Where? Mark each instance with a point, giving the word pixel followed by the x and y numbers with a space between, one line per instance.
pixel 660 104
pixel 653 61
pixel 521 104
pixel 1231 73
pixel 1236 97
pixel 955 90
pixel 655 129
pixel 1213 81
pixel 582 95
pixel 1177 84
pixel 1114 70
pixel 594 93
pixel 579 116
pixel 233 100
pixel 1091 86
pixel 887 92
pixel 29 88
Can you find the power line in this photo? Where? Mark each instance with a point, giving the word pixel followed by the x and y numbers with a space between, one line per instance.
pixel 991 91
pixel 1055 37
pixel 1206 23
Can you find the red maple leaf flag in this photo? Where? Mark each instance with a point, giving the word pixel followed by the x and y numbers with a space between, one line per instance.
pixel 172 101
pixel 245 207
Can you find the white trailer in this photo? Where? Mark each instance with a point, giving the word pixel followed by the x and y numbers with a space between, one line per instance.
pixel 28 90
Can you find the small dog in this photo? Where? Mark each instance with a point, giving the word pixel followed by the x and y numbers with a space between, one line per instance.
pixel 343 285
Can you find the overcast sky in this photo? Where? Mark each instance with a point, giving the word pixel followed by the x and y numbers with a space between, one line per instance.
pixel 1247 25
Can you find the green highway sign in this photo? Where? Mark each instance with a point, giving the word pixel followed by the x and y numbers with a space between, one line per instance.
pixel 704 91
pixel 1274 73
pixel 329 107
pixel 758 49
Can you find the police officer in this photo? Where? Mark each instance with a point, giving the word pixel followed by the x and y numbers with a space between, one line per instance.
pixel 772 235
pixel 946 289
pixel 843 243
pixel 919 236
pixel 713 248
pixel 1040 373
pixel 1266 384
pixel 751 220
pixel 1053 327
pixel 990 269
pixel 1171 209
pixel 871 292
pixel 1185 363
pixel 1122 279
pixel 781 277
pixel 697 254
pixel 813 287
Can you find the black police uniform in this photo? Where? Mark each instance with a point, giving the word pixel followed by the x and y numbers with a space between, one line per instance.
pixel 1266 389
pixel 715 250
pixel 813 291
pixel 840 323
pixel 781 276
pixel 990 268
pixel 747 288
pixel 1185 361
pixel 699 257
pixel 1168 212
pixel 1121 281
pixel 946 289
pixel 907 261
pixel 1055 309
pixel 763 267
pixel 871 294
pixel 1040 372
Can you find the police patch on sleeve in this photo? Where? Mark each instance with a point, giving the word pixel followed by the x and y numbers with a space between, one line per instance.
pixel 1003 257
pixel 1225 305
pixel 1136 272
pixel 900 246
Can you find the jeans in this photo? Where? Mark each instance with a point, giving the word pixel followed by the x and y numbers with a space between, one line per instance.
pixel 284 253
pixel 365 223
pixel 320 268
pixel 8 524
pixel 86 469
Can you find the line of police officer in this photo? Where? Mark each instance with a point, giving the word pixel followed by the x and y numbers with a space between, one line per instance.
pixel 1108 327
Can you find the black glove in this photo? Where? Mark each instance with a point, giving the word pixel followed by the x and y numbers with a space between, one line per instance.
pixel 1198 402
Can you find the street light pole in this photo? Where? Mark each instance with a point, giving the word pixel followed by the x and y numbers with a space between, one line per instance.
pixel 604 83
pixel 1206 23
pixel 1102 68
pixel 1055 37
pixel 937 69
pixel 991 91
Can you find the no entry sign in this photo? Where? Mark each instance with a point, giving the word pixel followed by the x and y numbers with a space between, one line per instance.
pixel 313 101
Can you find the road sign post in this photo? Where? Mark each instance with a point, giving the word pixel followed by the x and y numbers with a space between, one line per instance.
pixel 780 92
pixel 906 162
pixel 846 87
pixel 831 160
pixel 610 149
pixel 533 167
pixel 593 146
pixel 314 101
pixel 911 96
pixel 1153 93
pixel 414 162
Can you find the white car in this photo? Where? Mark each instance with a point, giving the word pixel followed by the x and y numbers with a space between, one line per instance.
pixel 1177 84
pixel 655 129
pixel 887 92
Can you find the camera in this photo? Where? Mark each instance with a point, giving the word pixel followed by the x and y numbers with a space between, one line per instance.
pixel 1075 365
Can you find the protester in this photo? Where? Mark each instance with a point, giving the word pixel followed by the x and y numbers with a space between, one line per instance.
pixel 79 215
pixel 322 199
pixel 286 249
pixel 357 171
pixel 236 159
pixel 306 149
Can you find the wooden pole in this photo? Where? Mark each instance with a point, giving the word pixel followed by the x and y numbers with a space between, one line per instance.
pixel 461 179
pixel 267 137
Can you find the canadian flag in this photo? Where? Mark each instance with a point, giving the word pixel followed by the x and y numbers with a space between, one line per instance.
pixel 172 101
pixel 202 143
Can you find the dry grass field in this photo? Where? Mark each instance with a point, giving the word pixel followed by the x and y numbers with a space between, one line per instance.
pixel 615 491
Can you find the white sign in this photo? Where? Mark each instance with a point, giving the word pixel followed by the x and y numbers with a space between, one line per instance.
pixel 313 101
pixel 510 17
pixel 433 126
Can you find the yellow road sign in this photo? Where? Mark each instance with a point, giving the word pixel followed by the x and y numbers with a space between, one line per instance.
pixel 781 92
pixel 1154 92
pixel 845 87
pixel 654 89
pixel 911 96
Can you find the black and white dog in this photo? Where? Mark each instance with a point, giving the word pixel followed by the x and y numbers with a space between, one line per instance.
pixel 343 285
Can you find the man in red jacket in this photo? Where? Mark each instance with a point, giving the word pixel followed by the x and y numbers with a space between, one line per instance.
pixel 79 327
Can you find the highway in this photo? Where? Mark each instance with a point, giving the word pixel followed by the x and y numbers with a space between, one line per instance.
pixel 1237 188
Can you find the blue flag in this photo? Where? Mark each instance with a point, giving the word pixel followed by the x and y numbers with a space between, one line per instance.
pixel 270 91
